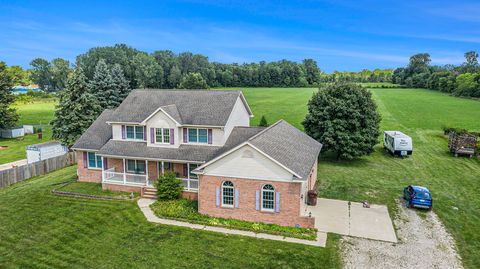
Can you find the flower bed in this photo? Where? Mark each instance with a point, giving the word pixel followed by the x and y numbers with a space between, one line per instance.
pixel 187 210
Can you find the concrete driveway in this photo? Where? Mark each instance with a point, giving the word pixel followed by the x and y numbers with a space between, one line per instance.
pixel 340 217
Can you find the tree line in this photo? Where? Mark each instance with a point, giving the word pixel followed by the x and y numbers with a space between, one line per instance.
pixel 461 80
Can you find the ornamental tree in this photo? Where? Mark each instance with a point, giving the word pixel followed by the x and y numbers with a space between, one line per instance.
pixel 169 187
pixel 193 81
pixel 343 117
pixel 8 115
pixel 77 109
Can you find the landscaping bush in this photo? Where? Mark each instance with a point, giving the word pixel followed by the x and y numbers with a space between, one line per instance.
pixel 187 210
pixel 263 122
pixel 169 187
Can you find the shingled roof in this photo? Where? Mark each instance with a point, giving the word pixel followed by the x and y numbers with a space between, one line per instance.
pixel 97 134
pixel 289 146
pixel 191 107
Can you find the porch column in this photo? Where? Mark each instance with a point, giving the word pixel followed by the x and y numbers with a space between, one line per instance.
pixel 146 171
pixel 163 168
pixel 188 176
pixel 124 171
pixel 103 170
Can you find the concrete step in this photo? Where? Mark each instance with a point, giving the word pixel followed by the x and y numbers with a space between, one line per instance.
pixel 149 196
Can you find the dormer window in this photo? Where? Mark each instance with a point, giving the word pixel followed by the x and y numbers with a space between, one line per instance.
pixel 162 136
pixel 134 132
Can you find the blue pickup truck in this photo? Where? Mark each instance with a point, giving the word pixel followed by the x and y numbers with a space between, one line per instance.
pixel 417 196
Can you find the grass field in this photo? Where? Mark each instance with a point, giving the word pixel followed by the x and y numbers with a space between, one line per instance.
pixel 41 230
pixel 34 113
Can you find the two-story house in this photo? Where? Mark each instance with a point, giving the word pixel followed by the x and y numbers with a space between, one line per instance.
pixel 205 138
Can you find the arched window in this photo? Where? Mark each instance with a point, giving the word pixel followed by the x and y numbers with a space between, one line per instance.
pixel 227 194
pixel 268 197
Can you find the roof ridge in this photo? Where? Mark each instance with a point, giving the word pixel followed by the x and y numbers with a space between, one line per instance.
pixel 264 130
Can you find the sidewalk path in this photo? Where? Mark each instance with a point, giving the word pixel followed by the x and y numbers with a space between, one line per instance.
pixel 144 205
pixel 7 166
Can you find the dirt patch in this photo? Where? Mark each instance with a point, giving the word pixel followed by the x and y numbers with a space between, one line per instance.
pixel 3 147
pixel 423 243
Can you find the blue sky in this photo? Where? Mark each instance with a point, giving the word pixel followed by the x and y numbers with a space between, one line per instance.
pixel 339 35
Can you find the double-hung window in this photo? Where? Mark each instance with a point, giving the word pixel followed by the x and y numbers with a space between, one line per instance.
pixel 134 132
pixel 196 135
pixel 227 194
pixel 162 135
pixel 94 161
pixel 193 166
pixel 136 166
pixel 268 198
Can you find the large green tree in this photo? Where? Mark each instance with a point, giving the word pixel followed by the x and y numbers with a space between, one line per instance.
pixel 8 115
pixel 41 74
pixel 77 109
pixel 19 75
pixel 148 73
pixel 120 83
pixel 60 69
pixel 344 118
pixel 102 86
pixel 193 81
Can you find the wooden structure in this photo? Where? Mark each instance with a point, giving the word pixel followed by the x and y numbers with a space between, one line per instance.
pixel 462 143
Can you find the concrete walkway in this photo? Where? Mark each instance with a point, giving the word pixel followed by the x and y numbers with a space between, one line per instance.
pixel 144 205
pixel 7 166
pixel 342 217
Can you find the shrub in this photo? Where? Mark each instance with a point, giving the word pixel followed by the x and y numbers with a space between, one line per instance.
pixel 263 122
pixel 169 187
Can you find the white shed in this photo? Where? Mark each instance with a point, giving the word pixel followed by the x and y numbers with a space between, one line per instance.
pixel 12 132
pixel 39 152
pixel 28 129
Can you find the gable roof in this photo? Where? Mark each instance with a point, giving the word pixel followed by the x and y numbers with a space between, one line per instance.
pixel 283 143
pixel 189 107
pixel 97 134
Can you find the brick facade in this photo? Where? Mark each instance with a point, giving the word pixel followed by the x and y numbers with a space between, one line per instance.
pixel 124 188
pixel 85 174
pixel 290 201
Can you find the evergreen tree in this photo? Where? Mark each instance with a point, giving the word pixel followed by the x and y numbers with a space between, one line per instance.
pixel 8 115
pixel 193 81
pixel 263 122
pixel 77 109
pixel 174 77
pixel 102 86
pixel 344 118
pixel 121 85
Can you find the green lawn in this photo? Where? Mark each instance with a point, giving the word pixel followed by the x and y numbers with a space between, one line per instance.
pixel 34 113
pixel 92 189
pixel 379 178
pixel 41 230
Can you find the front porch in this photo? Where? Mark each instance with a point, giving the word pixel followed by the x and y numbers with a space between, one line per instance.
pixel 144 173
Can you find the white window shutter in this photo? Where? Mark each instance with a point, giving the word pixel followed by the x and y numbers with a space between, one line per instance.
pixel 218 196
pixel 277 202
pixel 257 200
pixel 237 197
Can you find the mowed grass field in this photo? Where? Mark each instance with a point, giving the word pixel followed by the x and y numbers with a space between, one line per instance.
pixel 38 229
pixel 380 178
pixel 39 112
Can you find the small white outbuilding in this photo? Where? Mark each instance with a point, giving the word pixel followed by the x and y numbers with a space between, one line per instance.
pixel 39 152
pixel 397 143
pixel 12 132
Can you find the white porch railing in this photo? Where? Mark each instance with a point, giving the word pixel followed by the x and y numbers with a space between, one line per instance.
pixel 110 176
pixel 190 184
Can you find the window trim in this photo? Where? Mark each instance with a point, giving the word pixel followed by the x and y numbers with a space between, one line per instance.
pixel 198 136
pixel 136 165
pixel 271 210
pixel 135 138
pixel 162 135
pixel 97 157
pixel 232 187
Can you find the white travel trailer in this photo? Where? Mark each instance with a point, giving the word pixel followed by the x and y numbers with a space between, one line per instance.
pixel 397 143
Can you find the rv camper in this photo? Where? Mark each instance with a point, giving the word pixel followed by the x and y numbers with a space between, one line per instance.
pixel 397 143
